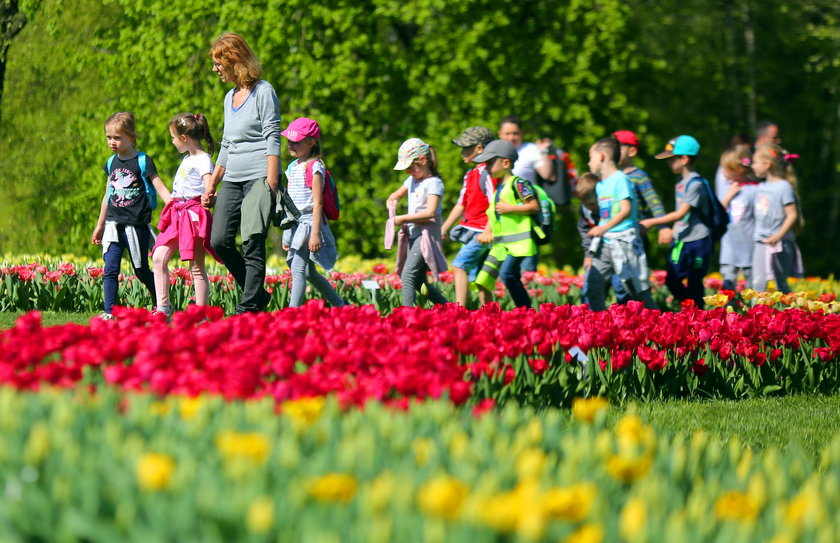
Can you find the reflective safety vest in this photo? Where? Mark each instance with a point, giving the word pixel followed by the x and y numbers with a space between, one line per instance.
pixel 511 234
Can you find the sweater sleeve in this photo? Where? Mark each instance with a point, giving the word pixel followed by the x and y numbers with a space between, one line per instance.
pixel 221 160
pixel 269 110
pixel 644 186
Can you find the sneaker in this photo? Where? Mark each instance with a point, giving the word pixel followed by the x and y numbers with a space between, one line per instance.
pixel 107 317
pixel 164 310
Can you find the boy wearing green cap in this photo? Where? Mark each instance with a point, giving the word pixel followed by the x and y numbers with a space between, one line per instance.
pixel 691 248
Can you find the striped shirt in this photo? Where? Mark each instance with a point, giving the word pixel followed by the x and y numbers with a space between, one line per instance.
pixel 301 194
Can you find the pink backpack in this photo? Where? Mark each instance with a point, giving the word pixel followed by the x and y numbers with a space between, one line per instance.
pixel 329 196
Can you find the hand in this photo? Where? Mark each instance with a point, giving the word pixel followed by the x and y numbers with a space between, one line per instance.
pixel 773 240
pixel 485 238
pixel 285 247
pixel 666 236
pixel 734 188
pixel 398 220
pixel 314 242
pixel 504 207
pixel 645 224
pixel 543 143
pixel 597 231
pixel 390 203
pixel 587 262
pixel 96 238
pixel 208 200
pixel 443 233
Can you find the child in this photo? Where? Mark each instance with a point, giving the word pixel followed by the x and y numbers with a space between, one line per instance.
pixel 126 209
pixel 736 246
pixel 776 215
pixel 311 241
pixel 423 250
pixel 617 248
pixel 509 223
pixel 472 206
pixel 650 205
pixel 588 216
pixel 691 248
pixel 184 223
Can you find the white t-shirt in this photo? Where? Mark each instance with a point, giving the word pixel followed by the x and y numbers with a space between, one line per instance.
pixel 188 181
pixel 530 158
pixel 418 194
pixel 301 194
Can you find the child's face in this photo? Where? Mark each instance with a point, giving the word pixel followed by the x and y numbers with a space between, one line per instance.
pixel 677 163
pixel 302 148
pixel 626 155
pixel 118 141
pixel 469 153
pixel 418 168
pixel 596 159
pixel 760 165
pixel 178 140
pixel 499 167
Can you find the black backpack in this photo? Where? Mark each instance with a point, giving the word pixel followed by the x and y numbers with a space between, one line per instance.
pixel 719 221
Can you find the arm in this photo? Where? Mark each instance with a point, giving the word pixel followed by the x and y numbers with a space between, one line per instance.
pixel 421 216
pixel 211 181
pixel 396 196
pixel 317 212
pixel 668 218
pixel 624 210
pixel 96 238
pixel 486 236
pixel 734 189
pixel 546 167
pixel 791 215
pixel 529 207
pixel 454 216
pixel 161 189
pixel 273 173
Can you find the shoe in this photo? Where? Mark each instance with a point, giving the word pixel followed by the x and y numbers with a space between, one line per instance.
pixel 107 317
pixel 164 310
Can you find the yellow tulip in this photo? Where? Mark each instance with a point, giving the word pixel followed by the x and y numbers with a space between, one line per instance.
pixel 748 294
pixel 588 533
pixel 154 471
pixel 572 503
pixel 626 469
pixel 333 487
pixel 633 519
pixel 303 411
pixel 260 515
pixel 442 497
pixel 252 446
pixel 736 505
pixel 716 300
pixel 188 407
pixel 585 409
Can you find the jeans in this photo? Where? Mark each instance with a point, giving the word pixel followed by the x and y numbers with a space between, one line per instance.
pixel 111 276
pixel 304 269
pixel 689 260
pixel 511 275
pixel 414 275
pixel 247 267
pixel 529 263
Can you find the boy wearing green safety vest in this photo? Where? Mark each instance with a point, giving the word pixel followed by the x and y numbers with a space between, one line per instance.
pixel 509 223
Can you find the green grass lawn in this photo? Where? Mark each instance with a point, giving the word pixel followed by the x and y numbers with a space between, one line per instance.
pixel 807 423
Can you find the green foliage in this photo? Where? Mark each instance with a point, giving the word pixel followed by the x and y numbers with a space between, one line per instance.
pixel 377 72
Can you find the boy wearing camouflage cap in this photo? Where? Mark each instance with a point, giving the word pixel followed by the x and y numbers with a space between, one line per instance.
pixel 471 209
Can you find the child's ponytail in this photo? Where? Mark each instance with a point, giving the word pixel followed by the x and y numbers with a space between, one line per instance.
pixel 195 126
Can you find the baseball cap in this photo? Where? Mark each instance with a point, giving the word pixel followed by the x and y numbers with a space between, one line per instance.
pixel 301 128
pixel 473 136
pixel 679 146
pixel 410 150
pixel 498 149
pixel 626 137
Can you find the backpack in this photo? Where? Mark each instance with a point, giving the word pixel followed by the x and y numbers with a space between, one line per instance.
pixel 151 192
pixel 542 223
pixel 329 198
pixel 719 221
pixel 560 190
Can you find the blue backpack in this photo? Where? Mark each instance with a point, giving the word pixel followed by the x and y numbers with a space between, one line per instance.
pixel 719 221
pixel 151 192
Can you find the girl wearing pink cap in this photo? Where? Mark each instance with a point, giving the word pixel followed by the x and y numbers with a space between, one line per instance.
pixel 311 241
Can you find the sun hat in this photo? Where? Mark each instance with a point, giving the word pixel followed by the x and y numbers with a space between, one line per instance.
pixel 680 146
pixel 626 137
pixel 474 135
pixel 410 150
pixel 498 149
pixel 301 128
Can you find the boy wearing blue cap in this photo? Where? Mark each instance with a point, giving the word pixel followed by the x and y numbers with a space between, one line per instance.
pixel 691 248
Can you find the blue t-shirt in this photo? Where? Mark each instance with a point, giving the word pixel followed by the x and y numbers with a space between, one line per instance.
pixel 611 191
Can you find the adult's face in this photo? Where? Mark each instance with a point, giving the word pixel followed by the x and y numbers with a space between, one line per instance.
pixel 770 135
pixel 219 69
pixel 512 133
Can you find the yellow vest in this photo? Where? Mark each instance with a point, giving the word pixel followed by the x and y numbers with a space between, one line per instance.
pixel 513 230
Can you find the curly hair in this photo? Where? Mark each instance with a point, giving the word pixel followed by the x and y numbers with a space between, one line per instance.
pixel 237 60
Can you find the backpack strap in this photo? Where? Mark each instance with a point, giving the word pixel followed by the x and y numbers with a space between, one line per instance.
pixel 307 174
pixel 709 193
pixel 110 163
pixel 141 161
